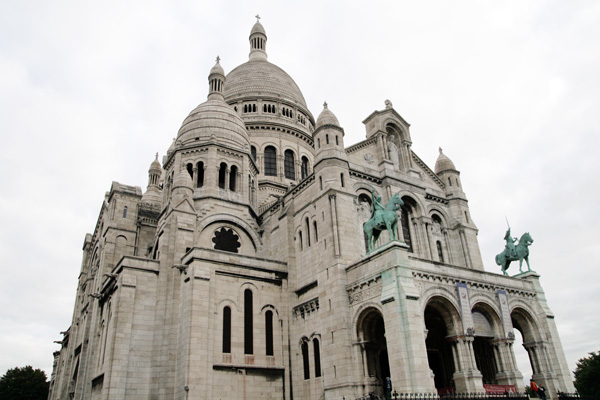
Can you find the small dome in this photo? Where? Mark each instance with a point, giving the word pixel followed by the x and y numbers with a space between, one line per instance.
pixel 152 196
pixel 155 166
pixel 258 28
pixel 214 120
pixel 327 117
pixel 217 69
pixel 443 163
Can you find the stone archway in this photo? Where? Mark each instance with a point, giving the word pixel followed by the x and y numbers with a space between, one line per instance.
pixel 371 334
pixel 439 349
pixel 483 349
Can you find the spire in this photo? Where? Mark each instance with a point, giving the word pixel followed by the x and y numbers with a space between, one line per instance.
pixel 258 41
pixel 216 81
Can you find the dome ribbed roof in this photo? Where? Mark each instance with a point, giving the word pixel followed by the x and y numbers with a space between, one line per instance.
pixel 258 28
pixel 327 117
pixel 155 166
pixel 214 119
pixel 443 163
pixel 217 69
pixel 260 78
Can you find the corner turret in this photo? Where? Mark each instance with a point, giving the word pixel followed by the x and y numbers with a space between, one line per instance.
pixel 445 169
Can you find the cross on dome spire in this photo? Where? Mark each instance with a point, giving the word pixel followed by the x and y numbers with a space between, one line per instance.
pixel 324 104
pixel 218 59
pixel 257 18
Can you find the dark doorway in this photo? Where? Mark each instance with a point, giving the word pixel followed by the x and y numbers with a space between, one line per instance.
pixel 371 330
pixel 439 350
pixel 484 357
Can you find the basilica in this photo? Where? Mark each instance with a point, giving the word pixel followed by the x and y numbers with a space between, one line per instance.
pixel 246 267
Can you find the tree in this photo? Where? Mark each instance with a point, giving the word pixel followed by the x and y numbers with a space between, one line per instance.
pixel 587 375
pixel 24 384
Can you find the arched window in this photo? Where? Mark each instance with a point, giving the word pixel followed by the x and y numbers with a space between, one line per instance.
pixel 315 232
pixel 269 332
pixel 449 181
pixel 307 232
pixel 270 161
pixel 232 178
pixel 300 239
pixel 305 360
pixel 342 179
pixel 227 330
pixel 326 139
pixel 248 333
pixel 337 143
pixel 200 178
pixel 222 173
pixel 253 152
pixel 317 354
pixel 125 212
pixel 321 183
pixel 288 165
pixel 304 168
pixel 190 170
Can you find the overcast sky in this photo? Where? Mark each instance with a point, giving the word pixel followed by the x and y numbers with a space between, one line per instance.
pixel 90 91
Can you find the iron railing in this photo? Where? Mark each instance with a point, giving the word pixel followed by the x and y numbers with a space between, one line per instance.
pixel 453 396
pixel 575 396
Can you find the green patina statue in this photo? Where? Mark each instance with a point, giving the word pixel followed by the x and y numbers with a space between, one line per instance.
pixel 514 252
pixel 382 218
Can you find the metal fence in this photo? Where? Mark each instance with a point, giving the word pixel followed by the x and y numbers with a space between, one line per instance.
pixel 454 396
pixel 574 396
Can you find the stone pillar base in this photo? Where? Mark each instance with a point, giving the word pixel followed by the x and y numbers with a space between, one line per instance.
pixel 468 381
pixel 511 378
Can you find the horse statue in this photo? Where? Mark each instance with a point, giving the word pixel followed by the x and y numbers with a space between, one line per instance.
pixel 387 218
pixel 519 252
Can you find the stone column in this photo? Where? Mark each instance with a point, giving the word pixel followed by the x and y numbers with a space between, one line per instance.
pixel 468 379
pixel 507 373
pixel 448 247
pixel 227 172
pixel 465 248
pixel 334 225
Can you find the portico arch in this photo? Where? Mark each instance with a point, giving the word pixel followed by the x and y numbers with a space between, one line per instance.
pixel 487 332
pixel 441 322
pixel 370 330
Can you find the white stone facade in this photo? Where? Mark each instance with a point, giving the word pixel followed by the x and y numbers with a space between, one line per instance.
pixel 242 271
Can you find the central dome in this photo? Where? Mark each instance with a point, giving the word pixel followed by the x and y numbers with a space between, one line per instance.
pixel 260 78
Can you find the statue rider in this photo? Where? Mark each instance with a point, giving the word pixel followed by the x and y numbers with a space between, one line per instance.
pixel 376 203
pixel 510 250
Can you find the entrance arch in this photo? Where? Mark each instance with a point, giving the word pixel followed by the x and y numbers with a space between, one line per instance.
pixel 370 329
pixel 440 322
pixel 486 333
pixel 525 324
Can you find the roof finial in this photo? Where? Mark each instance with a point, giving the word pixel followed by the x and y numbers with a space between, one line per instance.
pixel 325 104
pixel 257 18
pixel 218 59
pixel 440 150
pixel 156 156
